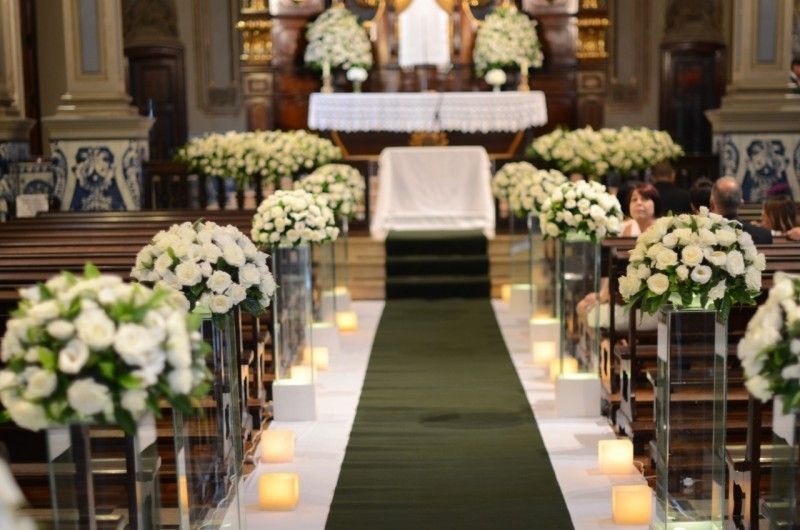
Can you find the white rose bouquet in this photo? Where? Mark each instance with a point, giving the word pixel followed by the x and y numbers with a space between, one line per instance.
pixel 505 38
pixel 337 38
pixel 770 348
pixel 507 177
pixel 581 151
pixel 582 209
pixel 94 349
pixel 342 185
pixel 215 267
pixel 688 260
pixel 292 218
pixel 638 149
pixel 532 188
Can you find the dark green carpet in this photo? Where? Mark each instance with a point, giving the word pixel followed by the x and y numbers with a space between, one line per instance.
pixel 444 437
pixel 449 264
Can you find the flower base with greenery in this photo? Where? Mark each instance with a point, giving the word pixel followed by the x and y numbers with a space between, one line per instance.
pixel 580 210
pixel 92 349
pixel 701 260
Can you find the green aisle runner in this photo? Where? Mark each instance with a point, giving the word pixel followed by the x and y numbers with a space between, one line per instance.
pixel 444 437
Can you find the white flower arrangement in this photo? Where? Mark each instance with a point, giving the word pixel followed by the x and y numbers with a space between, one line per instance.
pixel 215 267
pixel 337 38
pixel 93 349
pixel 506 37
pixel 343 186
pixel 292 218
pixel 495 77
pixel 11 499
pixel 690 260
pixel 592 152
pixel 525 187
pixel 582 209
pixel 770 348
pixel 271 154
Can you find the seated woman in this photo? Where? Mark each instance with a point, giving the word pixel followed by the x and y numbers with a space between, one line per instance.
pixel 644 207
pixel 779 214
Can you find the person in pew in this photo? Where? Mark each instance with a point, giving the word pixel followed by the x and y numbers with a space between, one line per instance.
pixel 778 215
pixel 673 198
pixel 700 194
pixel 644 208
pixel 726 197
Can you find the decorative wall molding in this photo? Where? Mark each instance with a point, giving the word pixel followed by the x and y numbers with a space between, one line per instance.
pixel 592 38
pixel 630 59
pixel 693 21
pixel 256 40
pixel 217 53
pixel 148 22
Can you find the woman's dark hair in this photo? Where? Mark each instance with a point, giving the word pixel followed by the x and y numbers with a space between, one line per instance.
pixel 780 213
pixel 646 191
pixel 700 193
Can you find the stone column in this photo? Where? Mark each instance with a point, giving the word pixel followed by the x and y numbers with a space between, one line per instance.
pixel 98 139
pixel 756 130
pixel 14 127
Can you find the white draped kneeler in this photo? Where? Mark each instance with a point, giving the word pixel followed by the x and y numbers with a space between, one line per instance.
pixel 522 303
pixel 325 334
pixel 578 395
pixel 293 401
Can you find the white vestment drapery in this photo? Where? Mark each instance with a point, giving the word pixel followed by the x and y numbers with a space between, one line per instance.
pixel 424 34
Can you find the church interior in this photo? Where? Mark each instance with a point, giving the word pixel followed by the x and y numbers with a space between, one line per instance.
pixel 399 264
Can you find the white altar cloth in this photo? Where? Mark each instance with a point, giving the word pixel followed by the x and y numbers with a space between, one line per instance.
pixel 427 111
pixel 433 188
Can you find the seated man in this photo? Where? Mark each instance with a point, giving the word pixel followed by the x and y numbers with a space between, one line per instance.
pixel 726 196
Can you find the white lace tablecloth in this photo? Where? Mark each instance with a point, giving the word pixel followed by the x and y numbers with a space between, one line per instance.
pixel 433 188
pixel 471 112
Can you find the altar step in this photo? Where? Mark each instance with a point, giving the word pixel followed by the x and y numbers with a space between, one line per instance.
pixel 437 265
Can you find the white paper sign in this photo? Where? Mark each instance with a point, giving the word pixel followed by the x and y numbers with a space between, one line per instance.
pixel 31 204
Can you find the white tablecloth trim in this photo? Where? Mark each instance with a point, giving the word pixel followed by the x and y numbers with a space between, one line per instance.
pixel 427 111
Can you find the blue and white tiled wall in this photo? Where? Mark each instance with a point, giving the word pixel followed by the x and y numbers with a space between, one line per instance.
pixel 106 175
pixel 10 152
pixel 759 161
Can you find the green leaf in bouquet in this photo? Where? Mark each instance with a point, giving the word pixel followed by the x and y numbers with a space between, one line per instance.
pixel 47 357
pixel 129 382
pixel 197 290
pixel 219 319
pixel 173 257
pixel 252 306
pixel 90 271
pixel 35 334
pixel 74 309
pixel 5 417
pixel 125 420
pixel 44 292
pixel 107 370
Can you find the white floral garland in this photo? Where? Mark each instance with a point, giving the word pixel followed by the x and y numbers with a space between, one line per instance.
pixel 94 349
pixel 217 268
pixel 336 37
pixel 581 209
pixel 273 155
pixel 690 260
pixel 342 184
pixel 292 218
pixel 505 38
pixel 770 348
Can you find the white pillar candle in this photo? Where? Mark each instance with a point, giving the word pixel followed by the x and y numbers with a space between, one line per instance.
pixel 505 292
pixel 278 491
pixel 615 457
pixel 632 504
pixel 320 356
pixel 347 321
pixel 543 351
pixel 302 374
pixel 570 367
pixel 277 446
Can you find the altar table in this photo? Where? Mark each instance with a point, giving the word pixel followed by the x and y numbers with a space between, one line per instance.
pixel 433 188
pixel 471 112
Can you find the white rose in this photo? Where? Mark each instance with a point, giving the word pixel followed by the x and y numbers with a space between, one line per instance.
pixel 88 397
pixel 735 263
pixel 701 274
pixel 44 311
pixel 752 278
pixel 643 272
pixel 211 252
pixel 249 275
pixel 669 240
pixel 180 380
pixel 162 263
pixel 691 255
pixel 791 372
pixel 8 379
pixel 73 356
pixel 134 401
pixel 684 235
pixel 666 258
pixel 188 273
pixel 745 239
pixel 707 237
pixel 95 329
pixel 758 386
pixel 717 292
pixel 760 261
pixel 60 329
pixel 27 415
pixel 219 303
pixel 133 343
pixel 41 383
pixel 725 237
pixel 236 292
pixel 658 283
pixel 233 255
pixel 782 287
pixel 717 257
pixel 682 271
pixel 219 281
